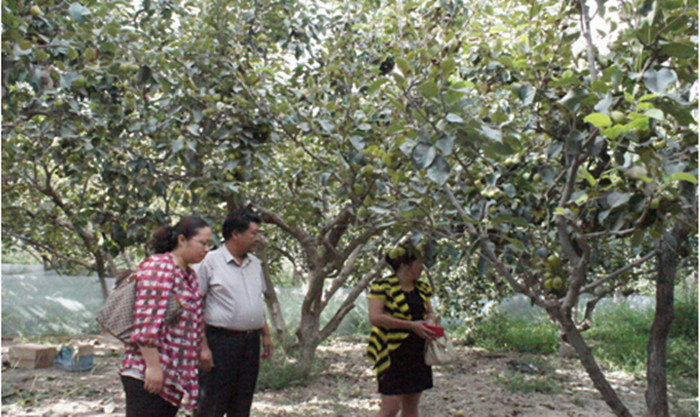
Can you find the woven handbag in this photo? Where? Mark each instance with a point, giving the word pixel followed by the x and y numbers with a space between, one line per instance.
pixel 117 315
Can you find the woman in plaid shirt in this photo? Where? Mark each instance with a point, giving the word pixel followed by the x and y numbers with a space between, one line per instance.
pixel 159 368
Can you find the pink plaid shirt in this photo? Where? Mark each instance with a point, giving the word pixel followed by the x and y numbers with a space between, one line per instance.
pixel 178 343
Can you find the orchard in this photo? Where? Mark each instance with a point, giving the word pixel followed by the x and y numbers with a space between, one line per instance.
pixel 537 147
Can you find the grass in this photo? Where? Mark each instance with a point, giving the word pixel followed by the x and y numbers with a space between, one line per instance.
pixel 619 339
pixel 281 372
pixel 541 381
pixel 501 332
pixel 620 336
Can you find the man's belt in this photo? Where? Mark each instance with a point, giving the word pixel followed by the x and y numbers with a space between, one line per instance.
pixel 220 331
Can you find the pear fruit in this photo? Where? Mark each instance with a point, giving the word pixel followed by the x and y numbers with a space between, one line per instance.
pixel 90 54
pixel 557 283
pixel 618 116
pixel 655 203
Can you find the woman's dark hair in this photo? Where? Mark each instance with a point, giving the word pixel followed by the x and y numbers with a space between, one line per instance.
pixel 164 239
pixel 238 221
pixel 401 255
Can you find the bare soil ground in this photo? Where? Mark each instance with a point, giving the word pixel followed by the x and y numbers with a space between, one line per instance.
pixel 478 384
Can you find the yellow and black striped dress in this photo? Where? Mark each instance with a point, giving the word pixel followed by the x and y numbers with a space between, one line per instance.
pixel 398 355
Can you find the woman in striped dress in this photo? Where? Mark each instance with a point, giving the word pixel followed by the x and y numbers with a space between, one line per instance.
pixel 399 308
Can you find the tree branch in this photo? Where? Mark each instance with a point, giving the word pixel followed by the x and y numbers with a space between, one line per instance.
pixel 586 30
pixel 490 256
pixel 343 276
pixel 48 249
pixel 348 303
pixel 306 241
pixel 618 272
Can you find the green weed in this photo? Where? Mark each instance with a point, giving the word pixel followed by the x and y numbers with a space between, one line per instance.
pixel 621 334
pixel 619 339
pixel 502 332
pixel 281 372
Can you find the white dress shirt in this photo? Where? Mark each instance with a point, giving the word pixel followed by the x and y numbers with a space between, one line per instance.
pixel 232 292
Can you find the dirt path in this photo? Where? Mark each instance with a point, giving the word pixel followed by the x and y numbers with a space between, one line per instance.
pixel 476 385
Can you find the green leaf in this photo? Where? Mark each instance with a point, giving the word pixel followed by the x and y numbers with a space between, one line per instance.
pixel 655 114
pixel 193 128
pixel 648 32
pixel 672 107
pixel 573 98
pixel 659 81
pixel 498 29
pixel 647 97
pixel 357 142
pixel 452 96
pixel 615 131
pixel 493 134
pixel 599 120
pixel 683 176
pixel 583 172
pixel 513 143
pixel 376 84
pixel 463 85
pixel 407 147
pixel 404 66
pixel 517 244
pixel 446 144
pixel 616 199
pixel 679 50
pixel 639 172
pixel 495 149
pixel 177 145
pixel 429 89
pixel 439 170
pixel 514 220
pixel 581 199
pixel 453 118
pixel 604 104
pixel 424 154
pixel 526 93
pixel 78 12
pixel 326 125
pixel 448 65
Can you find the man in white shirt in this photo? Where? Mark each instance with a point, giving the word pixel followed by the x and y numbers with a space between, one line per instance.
pixel 231 282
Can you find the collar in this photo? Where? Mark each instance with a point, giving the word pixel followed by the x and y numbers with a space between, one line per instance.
pixel 228 256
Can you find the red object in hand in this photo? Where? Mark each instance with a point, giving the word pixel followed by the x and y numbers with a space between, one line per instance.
pixel 439 331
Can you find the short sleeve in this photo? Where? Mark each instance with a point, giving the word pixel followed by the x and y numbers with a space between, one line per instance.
pixel 203 276
pixel 378 290
pixel 425 288
pixel 154 283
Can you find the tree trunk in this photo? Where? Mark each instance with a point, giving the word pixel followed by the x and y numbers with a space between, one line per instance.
pixel 273 304
pixel 102 275
pixel 573 337
pixel 308 336
pixel 297 276
pixel 666 264
pixel 103 286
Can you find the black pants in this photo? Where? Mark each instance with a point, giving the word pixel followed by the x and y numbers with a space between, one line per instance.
pixel 141 403
pixel 228 388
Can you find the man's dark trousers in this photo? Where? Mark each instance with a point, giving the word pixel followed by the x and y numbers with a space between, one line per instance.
pixel 228 388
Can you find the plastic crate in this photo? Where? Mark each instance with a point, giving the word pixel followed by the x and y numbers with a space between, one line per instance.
pixel 79 358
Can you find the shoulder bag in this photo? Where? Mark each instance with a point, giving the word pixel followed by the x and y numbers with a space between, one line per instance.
pixel 117 315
